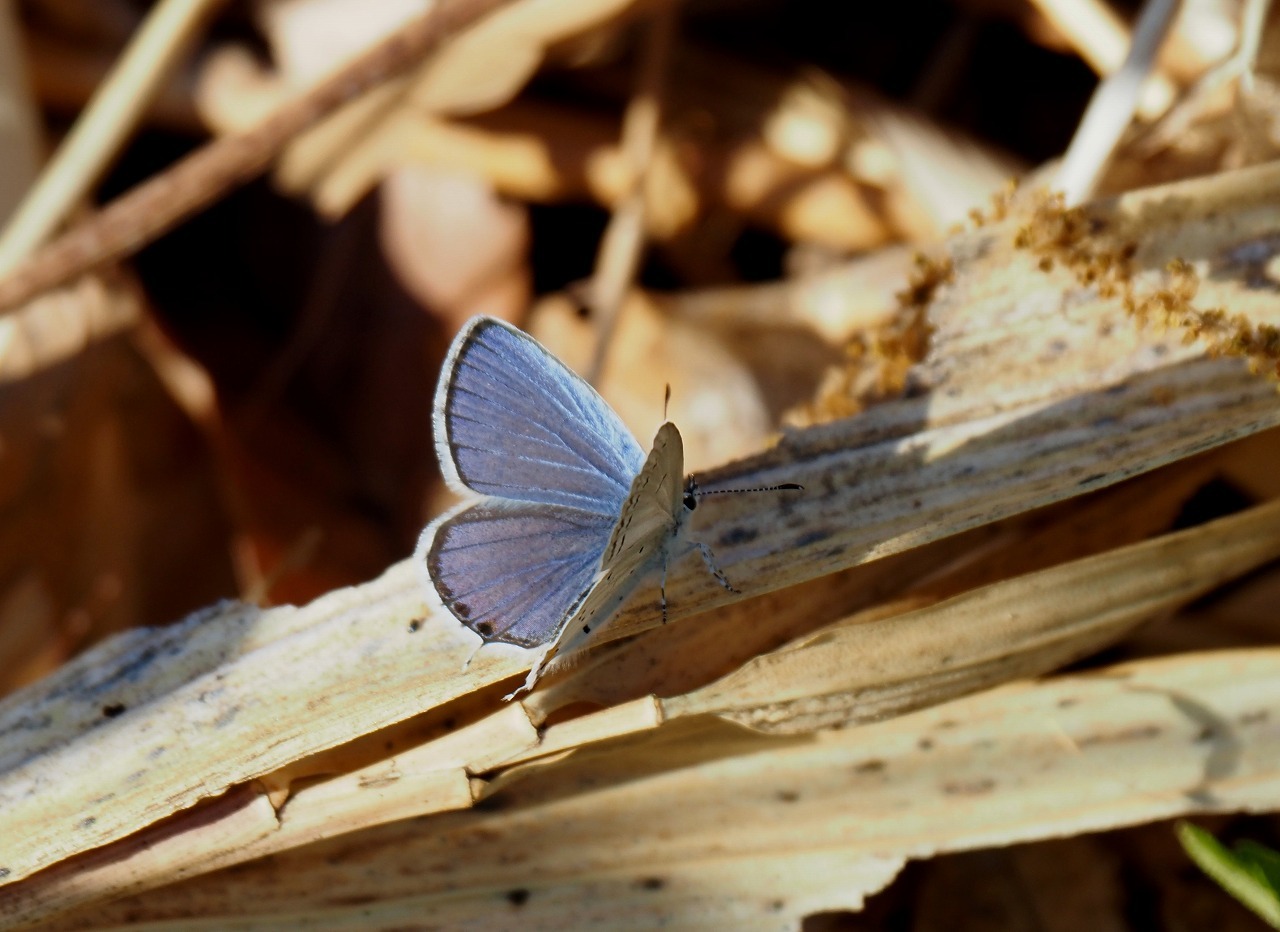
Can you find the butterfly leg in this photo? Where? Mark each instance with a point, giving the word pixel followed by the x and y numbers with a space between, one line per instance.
pixel 471 656
pixel 532 679
pixel 709 559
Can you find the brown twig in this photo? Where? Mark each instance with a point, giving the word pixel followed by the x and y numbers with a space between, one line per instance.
pixel 101 131
pixel 160 203
pixel 624 238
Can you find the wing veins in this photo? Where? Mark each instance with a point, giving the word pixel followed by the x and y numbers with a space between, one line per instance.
pixel 498 540
pixel 588 453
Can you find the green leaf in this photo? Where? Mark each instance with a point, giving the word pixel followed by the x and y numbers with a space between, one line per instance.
pixel 1263 863
pixel 1251 873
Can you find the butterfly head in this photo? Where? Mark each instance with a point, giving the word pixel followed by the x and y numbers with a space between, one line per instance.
pixel 690 496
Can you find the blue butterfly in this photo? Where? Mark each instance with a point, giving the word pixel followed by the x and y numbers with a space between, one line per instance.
pixel 570 513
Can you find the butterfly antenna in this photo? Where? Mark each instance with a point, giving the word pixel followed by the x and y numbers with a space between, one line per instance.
pixel 781 487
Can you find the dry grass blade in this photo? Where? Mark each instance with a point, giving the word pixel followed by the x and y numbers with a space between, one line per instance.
pixel 1112 108
pixel 212 695
pixel 110 118
pixel 157 205
pixel 685 658
pixel 623 242
pixel 1094 29
pixel 865 670
pixel 822 820
pixel 20 131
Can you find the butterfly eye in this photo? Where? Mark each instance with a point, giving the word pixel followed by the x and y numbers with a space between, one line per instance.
pixel 690 498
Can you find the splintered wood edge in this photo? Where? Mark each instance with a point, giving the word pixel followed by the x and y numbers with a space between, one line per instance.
pixel 1176 736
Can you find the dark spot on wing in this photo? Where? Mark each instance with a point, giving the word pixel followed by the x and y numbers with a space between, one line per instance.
pixel 518 896
pixel 415 625
pixel 652 883
pixel 484 629
pixel 113 709
pixel 463 611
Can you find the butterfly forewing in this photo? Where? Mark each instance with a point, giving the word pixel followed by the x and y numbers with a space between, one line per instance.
pixel 572 514
pixel 650 524
pixel 513 421
pixel 653 501
pixel 514 572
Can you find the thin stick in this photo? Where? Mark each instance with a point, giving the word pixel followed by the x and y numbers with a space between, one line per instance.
pixel 623 240
pixel 158 204
pixel 1239 65
pixel 106 123
pixel 21 131
pixel 1111 109
pixel 1252 22
pixel 1092 28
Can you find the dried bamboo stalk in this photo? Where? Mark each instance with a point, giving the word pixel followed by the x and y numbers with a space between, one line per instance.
pixel 701 821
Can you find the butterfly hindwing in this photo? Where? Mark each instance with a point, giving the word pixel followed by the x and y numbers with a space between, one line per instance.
pixel 514 572
pixel 513 421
